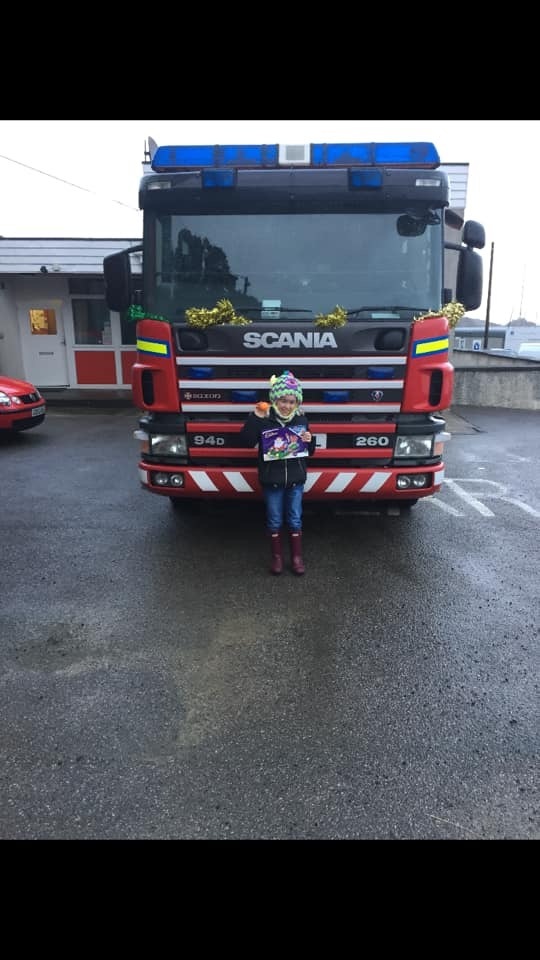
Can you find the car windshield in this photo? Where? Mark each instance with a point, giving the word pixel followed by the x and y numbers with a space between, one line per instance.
pixel 292 265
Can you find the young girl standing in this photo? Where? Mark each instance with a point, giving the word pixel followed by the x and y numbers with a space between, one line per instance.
pixel 284 440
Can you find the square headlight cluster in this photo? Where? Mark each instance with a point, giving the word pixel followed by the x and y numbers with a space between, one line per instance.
pixel 168 445
pixel 414 447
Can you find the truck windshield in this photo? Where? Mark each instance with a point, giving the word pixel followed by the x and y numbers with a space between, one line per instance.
pixel 298 264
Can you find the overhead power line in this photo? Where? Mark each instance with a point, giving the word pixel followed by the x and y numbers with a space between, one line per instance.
pixel 67 182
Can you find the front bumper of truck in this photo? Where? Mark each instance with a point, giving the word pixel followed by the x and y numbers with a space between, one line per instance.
pixel 399 461
pixel 362 484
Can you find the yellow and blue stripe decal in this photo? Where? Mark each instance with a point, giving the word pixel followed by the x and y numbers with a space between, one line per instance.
pixel 159 347
pixel 430 346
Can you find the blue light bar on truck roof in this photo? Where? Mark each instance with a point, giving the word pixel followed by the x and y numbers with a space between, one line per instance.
pixel 168 159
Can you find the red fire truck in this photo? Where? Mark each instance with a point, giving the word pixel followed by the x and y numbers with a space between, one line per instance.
pixel 324 259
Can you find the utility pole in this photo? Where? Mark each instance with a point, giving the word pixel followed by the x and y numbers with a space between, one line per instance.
pixel 488 305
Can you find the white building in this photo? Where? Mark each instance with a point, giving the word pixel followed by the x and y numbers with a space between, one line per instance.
pixel 517 337
pixel 55 328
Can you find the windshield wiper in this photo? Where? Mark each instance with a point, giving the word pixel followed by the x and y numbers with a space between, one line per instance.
pixel 280 309
pixel 385 309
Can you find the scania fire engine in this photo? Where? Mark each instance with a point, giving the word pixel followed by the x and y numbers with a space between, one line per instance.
pixel 324 259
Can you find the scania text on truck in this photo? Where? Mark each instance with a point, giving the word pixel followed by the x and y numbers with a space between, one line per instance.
pixel 324 259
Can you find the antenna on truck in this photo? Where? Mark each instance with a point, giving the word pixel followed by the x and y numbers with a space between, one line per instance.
pixel 150 150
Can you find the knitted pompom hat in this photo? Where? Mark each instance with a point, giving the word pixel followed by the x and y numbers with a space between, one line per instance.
pixel 284 385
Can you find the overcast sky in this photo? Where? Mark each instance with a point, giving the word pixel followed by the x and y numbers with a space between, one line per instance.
pixel 105 156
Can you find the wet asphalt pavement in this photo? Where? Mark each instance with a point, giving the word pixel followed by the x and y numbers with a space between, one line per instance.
pixel 157 682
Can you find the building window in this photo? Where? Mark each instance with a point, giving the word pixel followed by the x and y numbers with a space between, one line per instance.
pixel 42 322
pixel 91 286
pixel 91 322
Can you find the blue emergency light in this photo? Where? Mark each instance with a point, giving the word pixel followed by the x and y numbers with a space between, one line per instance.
pixel 380 373
pixel 417 155
pixel 244 396
pixel 365 179
pixel 336 396
pixel 218 178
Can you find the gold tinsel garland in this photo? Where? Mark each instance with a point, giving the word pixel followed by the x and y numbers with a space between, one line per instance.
pixel 338 318
pixel 452 311
pixel 223 312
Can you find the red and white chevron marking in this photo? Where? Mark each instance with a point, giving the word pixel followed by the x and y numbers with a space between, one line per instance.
pixel 319 483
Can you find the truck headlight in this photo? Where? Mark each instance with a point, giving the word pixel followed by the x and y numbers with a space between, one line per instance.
pixel 168 445
pixel 414 446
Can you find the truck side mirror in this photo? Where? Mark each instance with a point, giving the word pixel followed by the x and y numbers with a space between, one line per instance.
pixel 469 279
pixel 474 235
pixel 117 274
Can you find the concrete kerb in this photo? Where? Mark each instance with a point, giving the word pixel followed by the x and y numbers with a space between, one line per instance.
pixel 456 422
pixel 87 399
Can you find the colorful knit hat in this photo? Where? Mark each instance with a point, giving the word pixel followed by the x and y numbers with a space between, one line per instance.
pixel 283 385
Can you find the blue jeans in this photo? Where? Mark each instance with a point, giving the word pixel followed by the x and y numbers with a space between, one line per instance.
pixel 283 502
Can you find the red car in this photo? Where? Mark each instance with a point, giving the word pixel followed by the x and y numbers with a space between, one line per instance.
pixel 21 405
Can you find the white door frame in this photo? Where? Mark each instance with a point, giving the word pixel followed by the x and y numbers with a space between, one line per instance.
pixel 44 358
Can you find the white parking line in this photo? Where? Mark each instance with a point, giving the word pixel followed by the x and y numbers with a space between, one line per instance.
pixel 472 501
pixel 523 506
pixel 491 490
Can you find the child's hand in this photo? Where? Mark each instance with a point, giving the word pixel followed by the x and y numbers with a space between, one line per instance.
pixel 261 409
pixel 306 436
